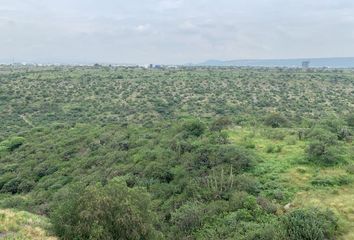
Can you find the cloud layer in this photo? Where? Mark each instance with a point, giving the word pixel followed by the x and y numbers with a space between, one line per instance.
pixel 173 31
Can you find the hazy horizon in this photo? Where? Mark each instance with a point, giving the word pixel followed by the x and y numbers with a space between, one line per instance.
pixel 223 62
pixel 173 31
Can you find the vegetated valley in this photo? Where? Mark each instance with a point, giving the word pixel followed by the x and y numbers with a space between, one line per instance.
pixel 189 153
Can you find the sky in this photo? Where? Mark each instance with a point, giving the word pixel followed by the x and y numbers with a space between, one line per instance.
pixel 173 31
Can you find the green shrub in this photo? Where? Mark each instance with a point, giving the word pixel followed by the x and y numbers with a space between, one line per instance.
pixel 11 144
pixel 45 170
pixel 270 231
pixel 273 148
pixel 291 140
pixel 194 128
pixel 344 134
pixel 113 211
pixel 275 134
pixel 240 215
pixel 350 120
pixel 26 186
pixel 217 207
pixel 4 178
pixel 311 224
pixel 220 124
pixel 249 145
pixel 322 135
pixel 323 182
pixel 12 186
pixel 332 181
pixel 269 148
pixel 320 152
pixel 15 201
pixel 241 225
pixel 278 194
pixel 350 168
pixel 240 200
pixel 247 183
pixel 275 120
pixel 188 217
pixel 267 205
pixel 160 171
pixel 278 148
pixel 241 159
pixel 219 138
pixel 343 180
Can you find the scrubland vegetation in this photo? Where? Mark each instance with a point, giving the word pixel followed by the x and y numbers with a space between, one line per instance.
pixel 204 153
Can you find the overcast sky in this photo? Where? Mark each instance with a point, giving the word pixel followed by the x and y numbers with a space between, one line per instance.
pixel 173 31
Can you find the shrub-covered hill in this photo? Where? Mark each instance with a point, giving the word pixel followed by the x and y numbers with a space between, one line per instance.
pixel 33 96
pixel 197 179
pixel 205 153
pixel 165 158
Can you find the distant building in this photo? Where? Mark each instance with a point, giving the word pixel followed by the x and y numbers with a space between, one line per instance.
pixel 158 66
pixel 155 66
pixel 305 64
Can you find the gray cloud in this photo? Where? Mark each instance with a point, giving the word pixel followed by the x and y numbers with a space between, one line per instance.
pixel 174 31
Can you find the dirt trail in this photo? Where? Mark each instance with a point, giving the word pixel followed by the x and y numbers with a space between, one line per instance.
pixel 24 118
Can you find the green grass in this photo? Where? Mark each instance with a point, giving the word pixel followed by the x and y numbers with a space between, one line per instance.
pixel 288 170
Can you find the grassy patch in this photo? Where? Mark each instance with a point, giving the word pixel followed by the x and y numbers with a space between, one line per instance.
pixel 340 200
pixel 307 185
pixel 22 225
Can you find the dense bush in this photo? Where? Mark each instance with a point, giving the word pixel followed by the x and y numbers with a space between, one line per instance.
pixel 220 123
pixel 267 205
pixel 247 183
pixel 331 181
pixel 113 211
pixel 275 120
pixel 350 120
pixel 310 224
pixel 241 159
pixel 322 135
pixel 273 148
pixel 12 186
pixel 188 217
pixel 11 144
pixel 242 200
pixel 194 128
pixel 320 152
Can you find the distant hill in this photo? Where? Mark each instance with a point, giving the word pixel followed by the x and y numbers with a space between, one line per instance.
pixel 347 62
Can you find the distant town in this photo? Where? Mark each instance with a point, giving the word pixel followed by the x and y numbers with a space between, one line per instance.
pixel 283 63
